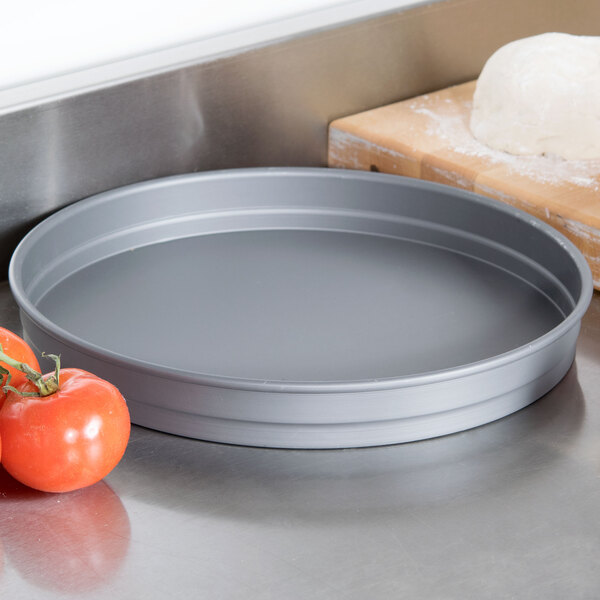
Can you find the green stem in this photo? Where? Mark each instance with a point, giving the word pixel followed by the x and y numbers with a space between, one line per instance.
pixel 5 372
pixel 45 386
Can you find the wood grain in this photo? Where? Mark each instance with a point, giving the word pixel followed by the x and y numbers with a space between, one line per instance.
pixel 428 137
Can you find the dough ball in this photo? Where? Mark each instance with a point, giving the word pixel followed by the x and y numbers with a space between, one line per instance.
pixel 541 95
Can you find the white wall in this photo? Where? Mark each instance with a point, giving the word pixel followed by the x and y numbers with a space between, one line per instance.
pixel 41 39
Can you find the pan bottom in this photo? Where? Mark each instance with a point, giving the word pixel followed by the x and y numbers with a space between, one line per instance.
pixel 300 305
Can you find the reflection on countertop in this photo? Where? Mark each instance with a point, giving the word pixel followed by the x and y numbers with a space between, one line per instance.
pixel 73 542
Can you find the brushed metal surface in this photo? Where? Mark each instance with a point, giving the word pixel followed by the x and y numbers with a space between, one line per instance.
pixel 509 510
pixel 268 105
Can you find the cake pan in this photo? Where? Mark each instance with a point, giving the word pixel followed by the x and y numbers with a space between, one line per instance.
pixel 304 308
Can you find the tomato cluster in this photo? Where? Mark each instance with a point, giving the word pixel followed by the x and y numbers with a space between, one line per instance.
pixel 61 431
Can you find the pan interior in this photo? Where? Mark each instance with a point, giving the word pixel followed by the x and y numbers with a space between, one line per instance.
pixel 300 305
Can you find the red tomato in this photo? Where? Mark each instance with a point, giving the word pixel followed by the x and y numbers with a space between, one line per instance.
pixel 67 440
pixel 18 349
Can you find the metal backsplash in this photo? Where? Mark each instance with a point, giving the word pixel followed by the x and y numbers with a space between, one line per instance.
pixel 268 105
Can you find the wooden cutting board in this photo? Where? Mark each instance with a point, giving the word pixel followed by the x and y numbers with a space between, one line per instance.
pixel 428 137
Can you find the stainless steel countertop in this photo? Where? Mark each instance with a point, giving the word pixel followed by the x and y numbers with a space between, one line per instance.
pixel 507 510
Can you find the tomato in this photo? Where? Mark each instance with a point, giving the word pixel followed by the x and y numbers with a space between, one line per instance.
pixel 18 349
pixel 66 440
pixel 72 544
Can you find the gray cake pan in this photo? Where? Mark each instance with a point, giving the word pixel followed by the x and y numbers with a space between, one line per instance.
pixel 304 308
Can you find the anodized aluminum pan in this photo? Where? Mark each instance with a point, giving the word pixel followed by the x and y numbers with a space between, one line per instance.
pixel 305 308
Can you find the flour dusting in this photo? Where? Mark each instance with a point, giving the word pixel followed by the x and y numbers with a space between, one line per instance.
pixel 552 170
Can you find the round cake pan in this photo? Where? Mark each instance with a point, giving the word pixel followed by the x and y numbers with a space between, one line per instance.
pixel 304 308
